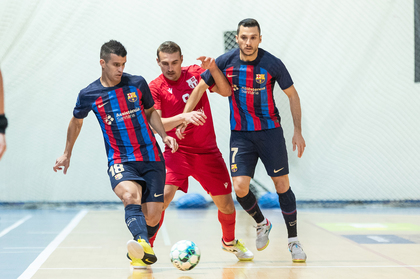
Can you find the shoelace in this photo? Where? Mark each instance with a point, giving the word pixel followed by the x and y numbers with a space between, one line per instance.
pixel 240 245
pixel 291 244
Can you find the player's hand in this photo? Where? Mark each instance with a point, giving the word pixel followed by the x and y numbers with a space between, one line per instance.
pixel 62 162
pixel 298 142
pixel 197 118
pixel 2 144
pixel 207 63
pixel 171 142
pixel 180 130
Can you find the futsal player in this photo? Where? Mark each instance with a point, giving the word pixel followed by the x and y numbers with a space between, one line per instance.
pixel 3 120
pixel 255 127
pixel 198 155
pixel 124 108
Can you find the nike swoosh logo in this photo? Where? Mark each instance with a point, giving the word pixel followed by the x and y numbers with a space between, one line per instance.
pixel 103 105
pixel 147 260
pixel 229 76
pixel 276 171
pixel 158 195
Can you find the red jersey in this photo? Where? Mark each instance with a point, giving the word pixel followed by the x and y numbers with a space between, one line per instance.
pixel 171 96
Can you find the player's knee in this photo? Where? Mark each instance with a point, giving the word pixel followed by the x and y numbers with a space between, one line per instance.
pixel 241 190
pixel 282 184
pixel 128 198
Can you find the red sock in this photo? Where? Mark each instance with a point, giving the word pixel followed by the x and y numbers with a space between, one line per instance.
pixel 228 225
pixel 153 238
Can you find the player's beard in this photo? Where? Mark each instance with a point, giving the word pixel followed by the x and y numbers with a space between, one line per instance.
pixel 247 55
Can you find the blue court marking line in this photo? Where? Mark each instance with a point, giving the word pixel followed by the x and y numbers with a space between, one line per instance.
pixel 378 239
pixel 36 264
pixel 410 267
pixel 15 225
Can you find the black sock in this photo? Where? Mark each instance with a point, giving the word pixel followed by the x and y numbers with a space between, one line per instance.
pixel 152 230
pixel 288 207
pixel 250 205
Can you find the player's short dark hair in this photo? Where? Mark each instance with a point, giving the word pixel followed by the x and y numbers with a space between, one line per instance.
pixel 248 22
pixel 114 47
pixel 168 47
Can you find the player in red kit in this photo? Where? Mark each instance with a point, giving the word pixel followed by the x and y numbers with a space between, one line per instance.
pixel 198 155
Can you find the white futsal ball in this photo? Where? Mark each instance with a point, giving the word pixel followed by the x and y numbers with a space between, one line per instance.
pixel 185 255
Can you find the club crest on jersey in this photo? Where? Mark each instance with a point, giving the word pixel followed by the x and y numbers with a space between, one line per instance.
pixel 192 82
pixel 260 78
pixel 132 97
pixel 234 167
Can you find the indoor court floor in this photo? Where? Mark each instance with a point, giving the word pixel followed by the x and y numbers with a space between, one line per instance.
pixel 349 242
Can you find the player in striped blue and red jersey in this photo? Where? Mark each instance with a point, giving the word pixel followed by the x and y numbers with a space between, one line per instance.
pixel 256 130
pixel 124 108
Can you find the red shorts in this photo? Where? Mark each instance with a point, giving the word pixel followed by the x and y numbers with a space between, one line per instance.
pixel 209 169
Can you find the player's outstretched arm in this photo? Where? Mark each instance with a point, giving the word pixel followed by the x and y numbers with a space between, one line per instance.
pixel 294 100
pixel 222 85
pixel 155 121
pixel 195 96
pixel 73 131
pixel 197 118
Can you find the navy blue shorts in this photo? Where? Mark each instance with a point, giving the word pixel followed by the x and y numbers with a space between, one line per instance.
pixel 150 175
pixel 268 145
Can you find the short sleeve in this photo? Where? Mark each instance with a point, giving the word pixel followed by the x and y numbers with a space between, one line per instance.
pixel 147 98
pixel 282 75
pixel 82 107
pixel 156 95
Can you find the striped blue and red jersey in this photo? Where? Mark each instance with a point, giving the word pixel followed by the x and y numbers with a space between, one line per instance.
pixel 252 105
pixel 120 113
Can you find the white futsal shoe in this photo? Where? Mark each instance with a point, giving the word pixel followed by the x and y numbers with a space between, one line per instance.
pixel 298 255
pixel 262 235
pixel 238 248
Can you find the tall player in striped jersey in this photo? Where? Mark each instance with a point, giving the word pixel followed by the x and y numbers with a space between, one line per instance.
pixel 198 155
pixel 256 130
pixel 124 108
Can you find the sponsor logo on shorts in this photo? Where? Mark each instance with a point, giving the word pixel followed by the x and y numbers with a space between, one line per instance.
pixel 118 176
pixel 226 184
pixel 276 171
pixel 156 195
pixel 132 97
pixel 234 167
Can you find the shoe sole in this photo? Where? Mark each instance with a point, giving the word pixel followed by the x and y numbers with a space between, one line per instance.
pixel 135 249
pixel 246 259
pixel 240 259
pixel 264 246
pixel 299 261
